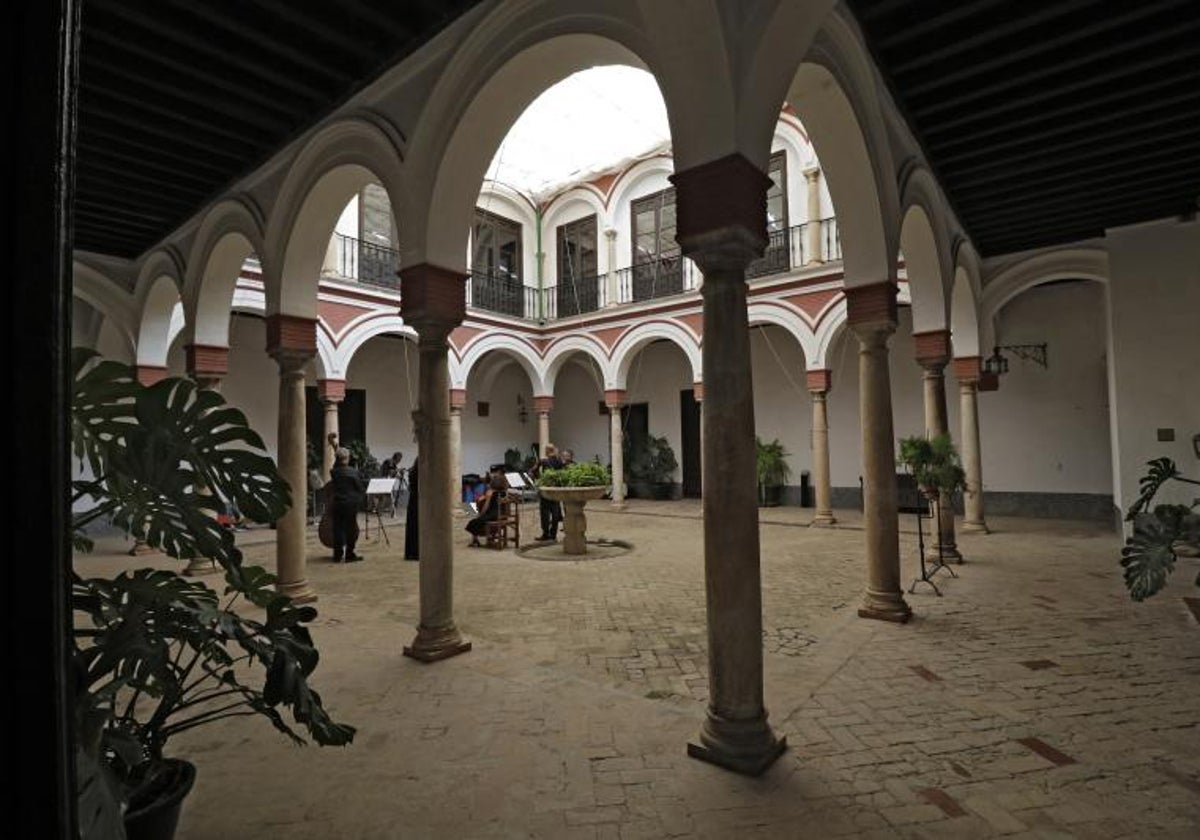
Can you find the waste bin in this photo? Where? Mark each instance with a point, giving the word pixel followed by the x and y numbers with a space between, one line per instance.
pixel 806 496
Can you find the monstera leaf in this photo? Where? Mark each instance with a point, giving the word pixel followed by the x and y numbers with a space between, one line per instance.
pixel 1161 471
pixel 1149 554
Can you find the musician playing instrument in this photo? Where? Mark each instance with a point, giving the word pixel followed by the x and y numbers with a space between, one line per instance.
pixel 346 487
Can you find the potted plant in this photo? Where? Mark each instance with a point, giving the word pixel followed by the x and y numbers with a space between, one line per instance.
pixel 575 485
pixel 650 464
pixel 361 456
pixel 773 472
pixel 1160 534
pixel 934 463
pixel 154 653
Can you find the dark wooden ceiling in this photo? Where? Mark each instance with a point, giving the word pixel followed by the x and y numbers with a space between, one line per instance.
pixel 180 98
pixel 1047 122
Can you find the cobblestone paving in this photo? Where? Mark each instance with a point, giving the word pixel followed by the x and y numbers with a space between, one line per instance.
pixel 1033 700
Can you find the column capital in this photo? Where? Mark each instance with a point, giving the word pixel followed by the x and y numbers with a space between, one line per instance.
pixel 150 374
pixel 610 233
pixel 967 369
pixel 616 398
pixel 698 391
pixel 291 340
pixel 820 381
pixel 206 361
pixel 458 398
pixel 811 175
pixel 721 212
pixel 872 308
pixel 543 405
pixel 433 299
pixel 331 390
pixel 932 349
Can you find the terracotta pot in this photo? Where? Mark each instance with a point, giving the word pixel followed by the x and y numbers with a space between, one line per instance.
pixel 154 811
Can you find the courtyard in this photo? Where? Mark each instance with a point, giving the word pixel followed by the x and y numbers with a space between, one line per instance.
pixel 1034 699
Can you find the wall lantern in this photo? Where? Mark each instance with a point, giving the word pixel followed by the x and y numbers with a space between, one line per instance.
pixel 997 364
pixel 522 414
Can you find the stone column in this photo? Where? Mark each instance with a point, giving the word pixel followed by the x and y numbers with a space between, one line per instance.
pixel 331 393
pixel 458 400
pixel 292 342
pixel 206 365
pixel 812 233
pixel 721 225
pixel 612 290
pixel 933 354
pixel 819 384
pixel 615 400
pixel 434 303
pixel 698 396
pixel 967 371
pixel 871 313
pixel 543 406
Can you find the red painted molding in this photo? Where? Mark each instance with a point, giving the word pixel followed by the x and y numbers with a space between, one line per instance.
pixel 150 374
pixel 872 304
pixel 933 347
pixel 458 397
pixel 723 193
pixel 820 380
pixel 698 391
pixel 291 334
pixel 206 361
pixel 331 390
pixel 615 398
pixel 541 404
pixel 432 295
pixel 967 368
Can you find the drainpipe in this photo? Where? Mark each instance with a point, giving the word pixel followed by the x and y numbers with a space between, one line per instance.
pixel 541 259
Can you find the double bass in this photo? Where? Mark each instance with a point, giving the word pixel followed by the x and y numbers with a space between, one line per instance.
pixel 325 526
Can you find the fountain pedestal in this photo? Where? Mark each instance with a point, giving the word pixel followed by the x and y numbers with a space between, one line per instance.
pixel 574 520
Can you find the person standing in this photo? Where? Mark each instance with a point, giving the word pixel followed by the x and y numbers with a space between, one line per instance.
pixel 549 511
pixel 412 545
pixel 348 489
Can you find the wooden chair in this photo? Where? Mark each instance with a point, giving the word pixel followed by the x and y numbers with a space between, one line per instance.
pixel 506 527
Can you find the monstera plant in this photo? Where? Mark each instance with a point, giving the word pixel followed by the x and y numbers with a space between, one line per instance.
pixel 1159 534
pixel 156 654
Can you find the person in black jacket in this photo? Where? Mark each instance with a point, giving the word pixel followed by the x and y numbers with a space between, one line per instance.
pixel 412 544
pixel 348 489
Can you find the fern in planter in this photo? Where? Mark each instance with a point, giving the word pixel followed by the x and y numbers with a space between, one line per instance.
pixel 156 654
pixel 935 464
pixel 773 471
pixel 1159 534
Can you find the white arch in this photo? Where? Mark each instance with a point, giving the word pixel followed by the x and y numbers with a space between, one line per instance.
pixel 360 334
pixel 230 232
pixel 926 264
pixel 635 339
pixel 522 352
pixel 106 297
pixel 826 333
pixel 964 316
pixel 154 326
pixel 254 302
pixel 334 164
pixel 791 320
pixel 558 353
pixel 1086 263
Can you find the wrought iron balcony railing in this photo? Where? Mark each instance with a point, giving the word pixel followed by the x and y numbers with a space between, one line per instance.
pixel 367 262
pixel 574 296
pixel 503 295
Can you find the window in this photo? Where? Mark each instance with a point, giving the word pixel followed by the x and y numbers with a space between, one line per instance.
pixel 777 215
pixel 578 289
pixel 497 246
pixel 657 268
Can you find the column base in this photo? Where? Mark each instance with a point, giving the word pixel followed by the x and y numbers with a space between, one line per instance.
pixel 885 606
pixel 617 506
pixel 435 645
pixel 823 520
pixel 748 747
pixel 950 554
pixel 299 591
pixel 198 566
pixel 975 527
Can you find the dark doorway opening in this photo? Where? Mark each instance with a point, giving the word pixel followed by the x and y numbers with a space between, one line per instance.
pixel 689 434
pixel 635 421
pixel 352 420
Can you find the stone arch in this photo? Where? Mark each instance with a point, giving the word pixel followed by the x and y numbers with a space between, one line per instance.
pixel 561 351
pixel 154 326
pixel 103 295
pixel 520 351
pixel 361 333
pixel 1061 264
pixel 965 326
pixel 230 232
pixel 334 165
pixel 827 333
pixel 791 320
pixel 254 302
pixel 635 339
pixel 926 265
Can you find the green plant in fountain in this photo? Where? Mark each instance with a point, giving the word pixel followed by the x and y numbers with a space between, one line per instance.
pixel 156 654
pixel 1159 534
pixel 934 462
pixel 582 474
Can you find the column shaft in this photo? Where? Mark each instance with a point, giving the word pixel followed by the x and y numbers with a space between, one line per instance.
pixel 331 428
pixel 936 423
pixel 543 419
pixel 813 231
pixel 973 519
pixel 823 515
pixel 455 459
pixel 290 554
pixel 616 442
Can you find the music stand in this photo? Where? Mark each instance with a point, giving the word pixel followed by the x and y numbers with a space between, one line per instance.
pixel 378 487
pixel 931 510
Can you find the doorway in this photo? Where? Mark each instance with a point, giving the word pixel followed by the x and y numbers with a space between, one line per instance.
pixel 689 435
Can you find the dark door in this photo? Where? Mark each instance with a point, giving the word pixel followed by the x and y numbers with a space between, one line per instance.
pixel 635 422
pixel 689 433
pixel 352 421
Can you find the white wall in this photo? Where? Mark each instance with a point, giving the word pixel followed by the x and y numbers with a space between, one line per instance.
pixel 379 366
pixel 112 344
pixel 1154 306
pixel 576 422
pixel 484 439
pixel 782 405
pixel 659 372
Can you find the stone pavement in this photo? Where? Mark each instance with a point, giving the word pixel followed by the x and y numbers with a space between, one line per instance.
pixel 1033 700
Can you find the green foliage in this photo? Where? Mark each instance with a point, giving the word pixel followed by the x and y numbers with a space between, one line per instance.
pixel 514 460
pixel 582 474
pixel 934 462
pixel 154 653
pixel 650 459
pixel 1149 554
pixel 361 457
pixel 773 468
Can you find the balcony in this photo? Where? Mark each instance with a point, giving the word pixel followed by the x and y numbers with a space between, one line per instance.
pixel 503 295
pixel 366 262
pixel 575 297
